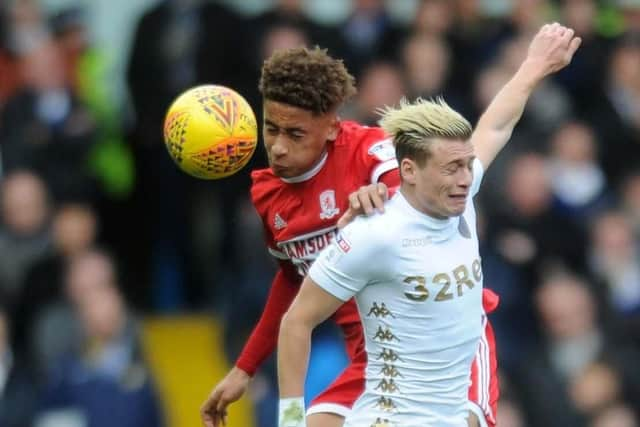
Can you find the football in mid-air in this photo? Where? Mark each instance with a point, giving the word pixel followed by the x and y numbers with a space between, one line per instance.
pixel 210 131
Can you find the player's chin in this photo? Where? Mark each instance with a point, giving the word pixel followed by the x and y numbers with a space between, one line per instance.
pixel 456 209
pixel 281 171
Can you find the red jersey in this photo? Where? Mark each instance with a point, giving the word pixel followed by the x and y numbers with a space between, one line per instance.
pixel 300 215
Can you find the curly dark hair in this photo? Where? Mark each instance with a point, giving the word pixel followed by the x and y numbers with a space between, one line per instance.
pixel 306 78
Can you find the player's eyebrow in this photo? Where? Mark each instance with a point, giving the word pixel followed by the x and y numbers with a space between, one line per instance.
pixel 288 130
pixel 454 161
pixel 270 123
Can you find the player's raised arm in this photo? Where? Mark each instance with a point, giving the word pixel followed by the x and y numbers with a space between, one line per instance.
pixel 551 49
pixel 311 306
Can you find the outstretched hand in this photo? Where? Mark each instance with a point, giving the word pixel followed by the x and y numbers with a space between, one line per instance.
pixel 552 48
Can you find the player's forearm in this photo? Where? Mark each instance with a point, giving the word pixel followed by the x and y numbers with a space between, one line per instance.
pixel 294 343
pixel 498 121
pixel 263 338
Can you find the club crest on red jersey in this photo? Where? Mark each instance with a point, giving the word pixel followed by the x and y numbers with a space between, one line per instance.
pixel 328 207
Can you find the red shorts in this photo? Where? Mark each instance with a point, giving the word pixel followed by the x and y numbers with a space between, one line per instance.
pixel 484 391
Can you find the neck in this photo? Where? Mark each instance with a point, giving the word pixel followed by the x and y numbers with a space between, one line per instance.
pixel 410 195
pixel 310 173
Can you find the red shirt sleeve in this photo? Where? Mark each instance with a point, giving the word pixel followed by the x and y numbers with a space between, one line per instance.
pixel 392 180
pixel 376 154
pixel 264 338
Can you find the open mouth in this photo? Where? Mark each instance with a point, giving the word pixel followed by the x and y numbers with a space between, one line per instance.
pixel 458 197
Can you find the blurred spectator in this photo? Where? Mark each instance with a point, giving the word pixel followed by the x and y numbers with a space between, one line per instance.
pixel 74 228
pixel 290 13
pixel 9 78
pixel 26 29
pixel 487 84
pixel 631 200
pixel 509 407
pixel 104 379
pixel 474 39
pixel 580 363
pixel 510 414
pixel 577 181
pixel 586 73
pixel 624 83
pixel 110 160
pixel 363 33
pixel 528 15
pixel 381 85
pixel 508 281
pixel 432 18
pixel 70 33
pixel 630 12
pixel 524 228
pixel 18 394
pixel 424 52
pixel 615 261
pixel 616 114
pixel 50 132
pixel 525 239
pixel 618 415
pixel 24 230
pixel 597 387
pixel 282 36
pixel 3 27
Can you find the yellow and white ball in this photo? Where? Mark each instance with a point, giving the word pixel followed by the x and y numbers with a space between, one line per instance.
pixel 210 131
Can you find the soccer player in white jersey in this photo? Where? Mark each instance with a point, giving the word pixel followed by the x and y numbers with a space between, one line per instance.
pixel 415 271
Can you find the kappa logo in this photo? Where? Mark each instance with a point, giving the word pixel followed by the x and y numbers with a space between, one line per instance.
pixel 278 222
pixel 328 207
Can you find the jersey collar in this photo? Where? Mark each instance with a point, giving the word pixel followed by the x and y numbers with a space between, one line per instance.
pixel 310 173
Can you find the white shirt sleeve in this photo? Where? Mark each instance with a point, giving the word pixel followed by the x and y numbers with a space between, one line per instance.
pixel 478 173
pixel 346 266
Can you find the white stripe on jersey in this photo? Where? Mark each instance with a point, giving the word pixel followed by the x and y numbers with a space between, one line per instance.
pixel 383 168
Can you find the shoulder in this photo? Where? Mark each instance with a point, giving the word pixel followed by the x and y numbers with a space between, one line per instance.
pixel 375 232
pixel 264 186
pixel 355 135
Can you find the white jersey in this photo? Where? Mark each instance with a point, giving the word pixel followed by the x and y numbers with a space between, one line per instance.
pixel 418 285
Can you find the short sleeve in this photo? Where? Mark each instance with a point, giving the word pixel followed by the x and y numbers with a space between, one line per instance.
pixel 376 153
pixel 382 157
pixel 344 267
pixel 478 173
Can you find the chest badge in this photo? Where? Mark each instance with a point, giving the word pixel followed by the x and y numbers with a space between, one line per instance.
pixel 328 207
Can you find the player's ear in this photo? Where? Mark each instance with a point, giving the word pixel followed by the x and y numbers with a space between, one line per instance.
pixel 334 127
pixel 408 171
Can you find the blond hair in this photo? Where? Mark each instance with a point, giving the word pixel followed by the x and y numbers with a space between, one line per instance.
pixel 414 125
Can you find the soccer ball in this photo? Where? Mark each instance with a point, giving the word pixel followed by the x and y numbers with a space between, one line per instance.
pixel 210 131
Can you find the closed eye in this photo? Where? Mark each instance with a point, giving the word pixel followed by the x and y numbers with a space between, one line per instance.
pixel 296 136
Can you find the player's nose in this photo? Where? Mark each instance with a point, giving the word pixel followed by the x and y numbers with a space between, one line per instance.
pixel 278 148
pixel 465 178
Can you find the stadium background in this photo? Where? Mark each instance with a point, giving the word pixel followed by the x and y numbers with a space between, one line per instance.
pixel 83 89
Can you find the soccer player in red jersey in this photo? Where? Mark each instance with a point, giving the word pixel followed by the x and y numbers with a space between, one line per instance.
pixel 316 162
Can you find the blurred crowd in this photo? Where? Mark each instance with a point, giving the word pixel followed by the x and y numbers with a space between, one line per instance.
pixel 97 224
